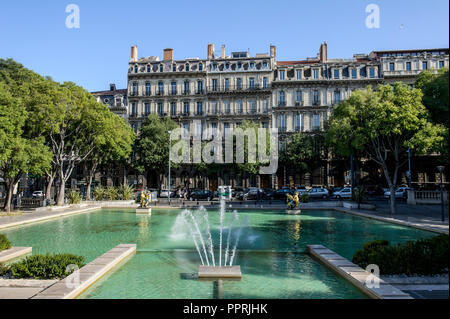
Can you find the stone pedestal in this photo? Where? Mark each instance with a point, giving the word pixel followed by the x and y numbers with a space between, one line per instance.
pixel 143 211
pixel 294 212
pixel 219 272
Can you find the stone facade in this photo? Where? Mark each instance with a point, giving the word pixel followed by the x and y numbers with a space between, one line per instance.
pixel 294 96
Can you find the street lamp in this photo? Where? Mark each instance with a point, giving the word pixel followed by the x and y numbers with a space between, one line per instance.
pixel 170 146
pixel 441 169
pixel 409 167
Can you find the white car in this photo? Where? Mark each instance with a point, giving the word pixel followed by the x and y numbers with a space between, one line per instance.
pixel 38 194
pixel 401 192
pixel 164 193
pixel 345 193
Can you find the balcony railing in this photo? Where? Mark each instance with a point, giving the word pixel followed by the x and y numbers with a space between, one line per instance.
pixel 299 103
pixel 237 88
pixel 282 103
pixel 316 103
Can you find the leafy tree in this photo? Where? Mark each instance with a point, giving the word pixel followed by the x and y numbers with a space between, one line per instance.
pixel 298 151
pixel 152 145
pixel 113 142
pixel 383 124
pixel 22 145
pixel 246 167
pixel 435 88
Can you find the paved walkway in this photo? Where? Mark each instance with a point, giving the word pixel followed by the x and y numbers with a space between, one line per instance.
pixel 31 217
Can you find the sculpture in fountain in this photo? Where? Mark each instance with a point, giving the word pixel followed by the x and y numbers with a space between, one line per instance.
pixel 204 245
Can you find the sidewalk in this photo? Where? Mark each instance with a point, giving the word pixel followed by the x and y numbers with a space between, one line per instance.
pixel 37 216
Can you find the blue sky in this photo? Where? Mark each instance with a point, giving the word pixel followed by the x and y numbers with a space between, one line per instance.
pixel 34 32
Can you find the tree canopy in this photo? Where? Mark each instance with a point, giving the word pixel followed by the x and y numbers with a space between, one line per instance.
pixel 383 124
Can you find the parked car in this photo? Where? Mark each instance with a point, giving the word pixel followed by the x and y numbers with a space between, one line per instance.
pixel 282 193
pixel 164 193
pixel 242 194
pixel 268 193
pixel 301 190
pixel 202 195
pixel 374 190
pixel 255 193
pixel 345 193
pixel 38 194
pixel 401 192
pixel 319 193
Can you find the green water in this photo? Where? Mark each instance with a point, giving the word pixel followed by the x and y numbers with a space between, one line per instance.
pixel 165 262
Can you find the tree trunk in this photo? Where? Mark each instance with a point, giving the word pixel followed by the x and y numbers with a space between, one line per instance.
pixel 48 188
pixel 9 193
pixel 88 187
pixel 393 206
pixel 61 189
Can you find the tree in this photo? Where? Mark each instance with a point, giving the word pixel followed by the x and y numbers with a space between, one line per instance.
pixel 19 153
pixel 435 89
pixel 246 167
pixel 152 145
pixel 297 152
pixel 113 142
pixel 383 124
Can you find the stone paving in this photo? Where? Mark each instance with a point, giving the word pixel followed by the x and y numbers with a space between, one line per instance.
pixel 355 275
pixel 73 285
pixel 37 216
pixel 13 253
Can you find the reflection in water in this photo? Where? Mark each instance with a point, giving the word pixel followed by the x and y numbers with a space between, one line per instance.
pixel 144 229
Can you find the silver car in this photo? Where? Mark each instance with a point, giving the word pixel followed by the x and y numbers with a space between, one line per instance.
pixel 345 193
pixel 319 193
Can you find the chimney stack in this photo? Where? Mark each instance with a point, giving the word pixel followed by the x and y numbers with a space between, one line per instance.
pixel 223 52
pixel 323 52
pixel 168 54
pixel 134 53
pixel 210 51
pixel 273 51
pixel 112 87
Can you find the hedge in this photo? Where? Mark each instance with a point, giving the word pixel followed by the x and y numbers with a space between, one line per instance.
pixel 44 266
pixel 4 243
pixel 421 257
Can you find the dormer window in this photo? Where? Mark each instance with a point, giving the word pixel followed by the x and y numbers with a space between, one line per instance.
pixel 227 66
pixel 252 65
pixel 136 69
pixel 161 68
pixel 187 67
pixel 174 68
pixel 264 64
pixel 149 68
pixel 239 65
pixel 200 67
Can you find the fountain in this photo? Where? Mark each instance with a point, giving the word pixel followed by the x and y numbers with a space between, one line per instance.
pixel 209 269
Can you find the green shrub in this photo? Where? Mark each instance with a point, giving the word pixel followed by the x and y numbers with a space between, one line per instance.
pixel 304 198
pixel 45 266
pixel 4 270
pixel 74 197
pixel 4 243
pixel 112 193
pixel 99 193
pixel 126 192
pixel 422 257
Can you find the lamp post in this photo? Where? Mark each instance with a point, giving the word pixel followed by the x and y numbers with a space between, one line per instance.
pixel 409 168
pixel 441 170
pixel 170 162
